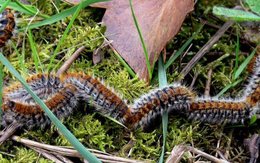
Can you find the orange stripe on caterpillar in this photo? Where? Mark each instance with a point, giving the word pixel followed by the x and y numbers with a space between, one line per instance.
pixel 254 98
pixel 152 105
pixel 96 93
pixel 219 110
pixel 7 25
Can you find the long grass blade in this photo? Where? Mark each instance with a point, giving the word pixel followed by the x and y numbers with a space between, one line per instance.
pixel 162 83
pixel 228 87
pixel 27 9
pixel 69 136
pixel 35 55
pixel 142 41
pixel 63 14
pixel 237 54
pixel 65 34
pixel 243 66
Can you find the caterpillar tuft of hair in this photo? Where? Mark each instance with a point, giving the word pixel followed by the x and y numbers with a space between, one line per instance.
pixel 7 26
pixel 63 93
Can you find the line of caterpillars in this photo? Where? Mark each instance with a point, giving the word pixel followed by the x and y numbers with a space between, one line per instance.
pixel 63 93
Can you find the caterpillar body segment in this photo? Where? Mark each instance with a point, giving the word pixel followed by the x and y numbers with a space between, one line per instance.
pixel 43 85
pixel 220 110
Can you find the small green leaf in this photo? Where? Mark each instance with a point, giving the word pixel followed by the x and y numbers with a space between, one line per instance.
pixel 253 119
pixel 254 5
pixel 237 15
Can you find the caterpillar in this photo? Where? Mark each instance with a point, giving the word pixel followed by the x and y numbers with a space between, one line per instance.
pixel 252 91
pixel 7 26
pixel 62 94
pixel 31 115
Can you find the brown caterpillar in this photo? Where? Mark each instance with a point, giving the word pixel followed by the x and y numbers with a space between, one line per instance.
pixel 7 25
pixel 18 104
pixel 31 115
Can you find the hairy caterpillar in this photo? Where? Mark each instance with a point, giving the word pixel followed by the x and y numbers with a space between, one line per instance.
pixel 7 25
pixel 57 91
pixel 30 114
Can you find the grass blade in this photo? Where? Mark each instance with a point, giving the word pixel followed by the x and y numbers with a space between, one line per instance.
pixel 27 9
pixel 142 41
pixel 129 69
pixel 242 67
pixel 65 34
pixel 63 14
pixel 69 136
pixel 237 55
pixel 228 87
pixel 163 83
pixel 3 6
pixel 35 55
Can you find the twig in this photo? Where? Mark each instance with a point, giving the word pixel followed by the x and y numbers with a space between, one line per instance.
pixel 253 144
pixel 68 63
pixel 194 80
pixel 72 152
pixel 179 150
pixel 176 154
pixel 206 48
pixel 207 87
pixel 9 131
pixel 47 155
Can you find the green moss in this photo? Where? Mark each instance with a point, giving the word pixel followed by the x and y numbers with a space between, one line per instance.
pixel 3 160
pixel 90 132
pixel 29 156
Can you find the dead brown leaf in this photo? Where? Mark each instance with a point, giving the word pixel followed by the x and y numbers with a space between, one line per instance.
pixel 159 20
